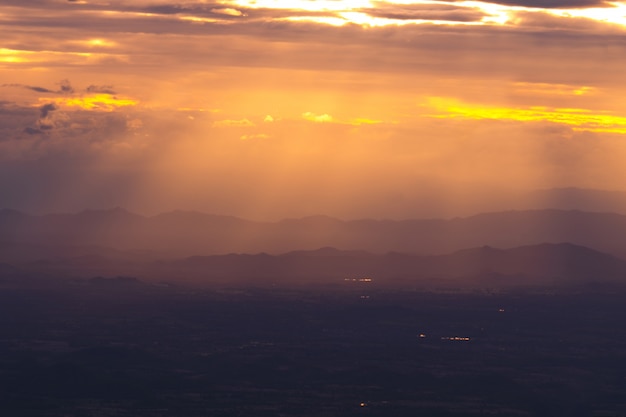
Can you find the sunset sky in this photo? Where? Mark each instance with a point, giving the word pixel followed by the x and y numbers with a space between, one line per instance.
pixel 268 109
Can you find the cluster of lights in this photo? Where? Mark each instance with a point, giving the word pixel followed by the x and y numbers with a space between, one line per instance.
pixel 456 338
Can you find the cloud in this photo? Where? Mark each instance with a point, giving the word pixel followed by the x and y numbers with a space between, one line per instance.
pixel 534 98
pixel 48 121
pixel 104 89
pixel 32 131
pixel 66 87
pixel 233 123
pixel 228 11
pixel 46 109
pixel 554 4
pixel 327 118
pixel 318 118
pixel 30 87
pixel 97 102
pixel 577 119
pixel 427 12
pixel 255 136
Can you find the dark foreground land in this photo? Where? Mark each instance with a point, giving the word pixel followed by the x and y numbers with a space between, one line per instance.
pixel 122 348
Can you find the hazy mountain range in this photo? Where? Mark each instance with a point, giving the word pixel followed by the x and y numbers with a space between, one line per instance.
pixel 180 234
pixel 552 244
pixel 544 264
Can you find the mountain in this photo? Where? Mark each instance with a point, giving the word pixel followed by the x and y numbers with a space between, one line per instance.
pixel 559 263
pixel 181 234
pixel 545 264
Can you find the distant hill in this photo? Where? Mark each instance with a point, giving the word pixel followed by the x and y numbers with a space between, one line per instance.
pixel 545 264
pixel 180 234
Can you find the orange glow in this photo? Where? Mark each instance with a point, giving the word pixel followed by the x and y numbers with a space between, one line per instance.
pixel 356 12
pixel 615 14
pixel 327 118
pixel 102 43
pixel 552 89
pixel 578 119
pixel 262 109
pixel 19 56
pixel 319 118
pixel 100 102
pixel 11 55
pixel 233 123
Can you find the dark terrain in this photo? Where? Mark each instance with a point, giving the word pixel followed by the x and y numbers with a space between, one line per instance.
pixel 120 347
pixel 107 313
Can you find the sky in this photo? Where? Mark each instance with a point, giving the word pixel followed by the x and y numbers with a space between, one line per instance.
pixel 268 109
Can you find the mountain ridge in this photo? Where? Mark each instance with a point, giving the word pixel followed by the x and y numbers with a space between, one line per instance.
pixel 180 234
pixel 543 264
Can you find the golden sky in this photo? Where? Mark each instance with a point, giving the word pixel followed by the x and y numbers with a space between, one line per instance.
pixel 270 108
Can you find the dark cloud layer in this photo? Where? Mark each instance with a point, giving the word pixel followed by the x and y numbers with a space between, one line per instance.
pixel 65 87
pixel 46 109
pixel 104 89
pixel 30 87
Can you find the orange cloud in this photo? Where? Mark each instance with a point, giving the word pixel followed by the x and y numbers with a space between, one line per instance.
pixel 233 123
pixel 578 119
pixel 20 56
pixel 257 136
pixel 327 118
pixel 228 11
pixel 552 89
pixel 318 118
pixel 100 102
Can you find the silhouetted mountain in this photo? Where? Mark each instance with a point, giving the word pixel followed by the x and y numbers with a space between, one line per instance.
pixel 545 264
pixel 326 252
pixel 559 263
pixel 180 234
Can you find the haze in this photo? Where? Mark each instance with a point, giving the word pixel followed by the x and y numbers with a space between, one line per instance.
pixel 266 110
